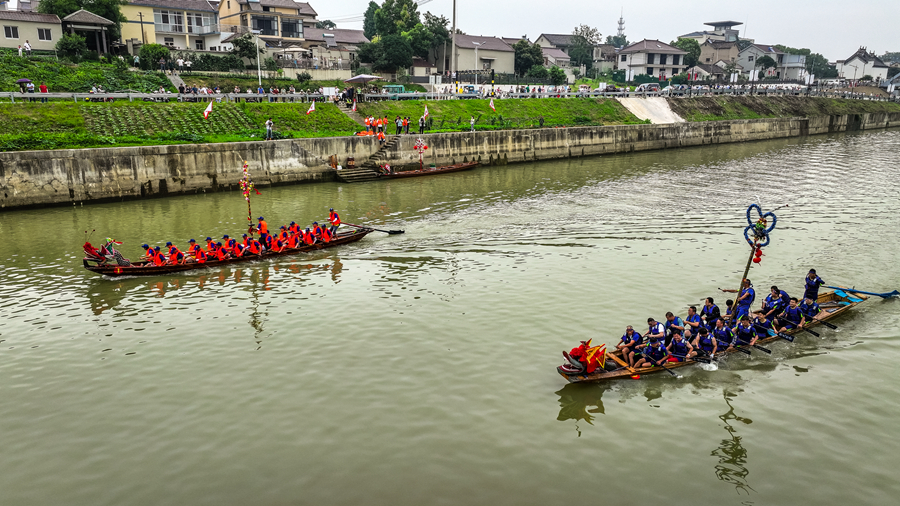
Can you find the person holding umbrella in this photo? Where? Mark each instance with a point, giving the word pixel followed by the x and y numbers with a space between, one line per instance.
pixel 22 83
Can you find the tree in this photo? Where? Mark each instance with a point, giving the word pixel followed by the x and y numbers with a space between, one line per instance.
pixel 527 55
pixel 245 47
pixel 890 57
pixel 766 62
pixel 437 25
pixel 109 9
pixel 369 21
pixel 396 16
pixel 557 75
pixel 387 53
pixel 692 47
pixel 327 24
pixel 72 46
pixel 581 51
pixel 617 40
pixel 538 72
pixel 427 37
pixel 150 55
pixel 591 35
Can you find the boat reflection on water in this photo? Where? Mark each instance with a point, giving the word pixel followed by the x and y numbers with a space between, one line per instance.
pixel 731 454
pixel 574 400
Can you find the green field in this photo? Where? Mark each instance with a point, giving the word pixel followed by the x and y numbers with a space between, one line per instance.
pixel 752 107
pixel 454 115
pixel 70 78
pixel 65 125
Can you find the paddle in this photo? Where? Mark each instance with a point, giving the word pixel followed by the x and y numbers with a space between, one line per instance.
pixel 786 337
pixel 829 325
pixel 391 232
pixel 695 358
pixel 810 331
pixel 882 295
pixel 660 364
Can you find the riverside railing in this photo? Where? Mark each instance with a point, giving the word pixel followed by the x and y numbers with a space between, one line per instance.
pixel 369 97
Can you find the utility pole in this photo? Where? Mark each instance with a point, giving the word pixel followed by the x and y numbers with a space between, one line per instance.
pixel 143 33
pixel 453 75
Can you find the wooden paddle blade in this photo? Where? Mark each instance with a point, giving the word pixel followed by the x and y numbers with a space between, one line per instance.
pixel 829 325
pixel 394 232
pixel 764 350
pixel 811 332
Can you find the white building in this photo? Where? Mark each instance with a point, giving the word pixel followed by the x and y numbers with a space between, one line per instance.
pixel 493 53
pixel 42 31
pixel 862 63
pixel 653 58
pixel 723 31
pixel 787 66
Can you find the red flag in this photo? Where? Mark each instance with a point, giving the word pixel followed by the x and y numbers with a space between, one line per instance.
pixel 312 107
pixel 492 105
pixel 208 110
pixel 426 112
pixel 354 106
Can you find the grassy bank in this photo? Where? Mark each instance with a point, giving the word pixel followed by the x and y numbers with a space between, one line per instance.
pixel 64 78
pixel 454 115
pixel 68 125
pixel 752 107
pixel 227 82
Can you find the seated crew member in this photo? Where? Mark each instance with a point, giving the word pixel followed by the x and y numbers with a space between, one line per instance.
pixel 283 235
pixel 724 336
pixel 210 245
pixel 680 347
pixel 293 240
pixel 172 250
pixel 253 248
pixel 239 251
pixel 279 246
pixel 705 342
pixel 326 234
pixel 335 220
pixel 762 326
pixel 729 311
pixel 149 253
pixel 192 247
pixel 693 322
pixel 221 252
pixel 790 318
pixel 160 259
pixel 775 302
pixel 262 227
pixel 654 353
pixel 655 330
pixel 317 230
pixel 809 309
pixel 710 313
pixel 744 332
pixel 177 258
pixel 293 227
pixel 813 282
pixel 246 241
pixel 673 324
pixel 630 341
pixel 309 237
pixel 200 256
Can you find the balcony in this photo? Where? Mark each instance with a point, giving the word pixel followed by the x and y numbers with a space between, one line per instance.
pixel 182 29
pixel 267 31
pixel 292 35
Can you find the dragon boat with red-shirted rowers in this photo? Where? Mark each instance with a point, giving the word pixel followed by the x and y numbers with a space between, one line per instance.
pixel 148 269
pixel 833 303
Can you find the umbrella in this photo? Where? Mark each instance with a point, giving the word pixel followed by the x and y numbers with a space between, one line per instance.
pixel 362 78
pixel 22 81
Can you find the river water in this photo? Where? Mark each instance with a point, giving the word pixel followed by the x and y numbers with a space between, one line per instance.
pixel 420 368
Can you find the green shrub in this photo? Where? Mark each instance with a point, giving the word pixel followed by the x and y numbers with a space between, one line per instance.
pixel 150 55
pixel 72 46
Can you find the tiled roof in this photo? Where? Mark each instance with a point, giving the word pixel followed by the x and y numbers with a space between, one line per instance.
pixel 188 5
pixel 558 39
pixel 651 46
pixel 513 40
pixel 33 17
pixel 555 53
pixel 83 16
pixel 866 57
pixel 341 35
pixel 487 43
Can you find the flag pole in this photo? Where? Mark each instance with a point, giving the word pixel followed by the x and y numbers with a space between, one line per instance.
pixel 246 188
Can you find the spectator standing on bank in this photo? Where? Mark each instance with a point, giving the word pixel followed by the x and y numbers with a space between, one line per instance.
pixel 30 88
pixel 422 125
pixel 43 89
pixel 472 123
pixel 187 65
pixel 180 63
pixel 20 50
pixel 269 125
pixel 162 65
pixel 137 61
pixel 27 48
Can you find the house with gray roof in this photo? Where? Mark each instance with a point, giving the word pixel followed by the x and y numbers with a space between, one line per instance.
pixel 652 58
pixel 42 31
pixel 862 63
pixel 493 54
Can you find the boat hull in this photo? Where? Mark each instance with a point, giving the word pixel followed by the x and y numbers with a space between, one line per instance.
pixel 431 172
pixel 619 372
pixel 144 269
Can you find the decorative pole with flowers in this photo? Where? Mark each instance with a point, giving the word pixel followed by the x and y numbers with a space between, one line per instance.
pixel 246 188
pixel 420 147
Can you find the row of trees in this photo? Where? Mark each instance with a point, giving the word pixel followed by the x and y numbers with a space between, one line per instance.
pixel 109 9
pixel 398 33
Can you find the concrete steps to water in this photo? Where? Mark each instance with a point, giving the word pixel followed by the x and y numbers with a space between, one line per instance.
pixel 352 114
pixel 368 170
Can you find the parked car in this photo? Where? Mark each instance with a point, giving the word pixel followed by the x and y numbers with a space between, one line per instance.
pixel 647 87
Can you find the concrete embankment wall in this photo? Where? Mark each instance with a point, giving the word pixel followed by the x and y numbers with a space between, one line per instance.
pixel 36 178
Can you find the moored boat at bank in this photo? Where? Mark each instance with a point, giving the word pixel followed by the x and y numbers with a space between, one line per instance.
pixel 431 170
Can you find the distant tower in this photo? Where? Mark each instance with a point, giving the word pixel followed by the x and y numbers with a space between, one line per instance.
pixel 621 31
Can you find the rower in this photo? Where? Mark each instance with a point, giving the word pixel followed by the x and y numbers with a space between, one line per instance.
pixel 724 336
pixel 813 282
pixel 630 341
pixel 210 245
pixel 775 302
pixel 308 237
pixel 654 353
pixel 790 318
pixel 326 234
pixel 729 311
pixel 744 332
pixel 673 324
pixel 254 248
pixel 809 308
pixel 176 258
pixel 279 246
pixel 159 259
pixel 710 313
pixel 655 330
pixel 148 253
pixel 680 347
pixel 762 325
pixel 200 256
pixel 246 241
pixel 705 342
pixel 262 227
pixel 334 219
pixel 172 249
pixel 221 252
pixel 693 322
pixel 317 230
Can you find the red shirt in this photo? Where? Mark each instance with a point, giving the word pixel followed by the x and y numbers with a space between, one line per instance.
pixel 43 88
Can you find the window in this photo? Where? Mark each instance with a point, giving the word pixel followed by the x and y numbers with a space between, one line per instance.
pixel 707 60
pixel 44 34
pixel 650 57
pixel 649 71
pixel 675 59
pixel 624 57
pixel 749 58
pixel 12 32
pixel 229 4
pixel 662 59
pixel 198 44
pixel 169 41
pixel 168 21
pixel 265 9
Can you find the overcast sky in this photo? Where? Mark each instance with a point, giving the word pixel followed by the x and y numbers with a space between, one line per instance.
pixel 833 28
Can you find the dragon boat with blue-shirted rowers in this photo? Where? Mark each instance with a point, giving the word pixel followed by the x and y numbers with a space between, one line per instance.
pixel 833 304
pixel 114 269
